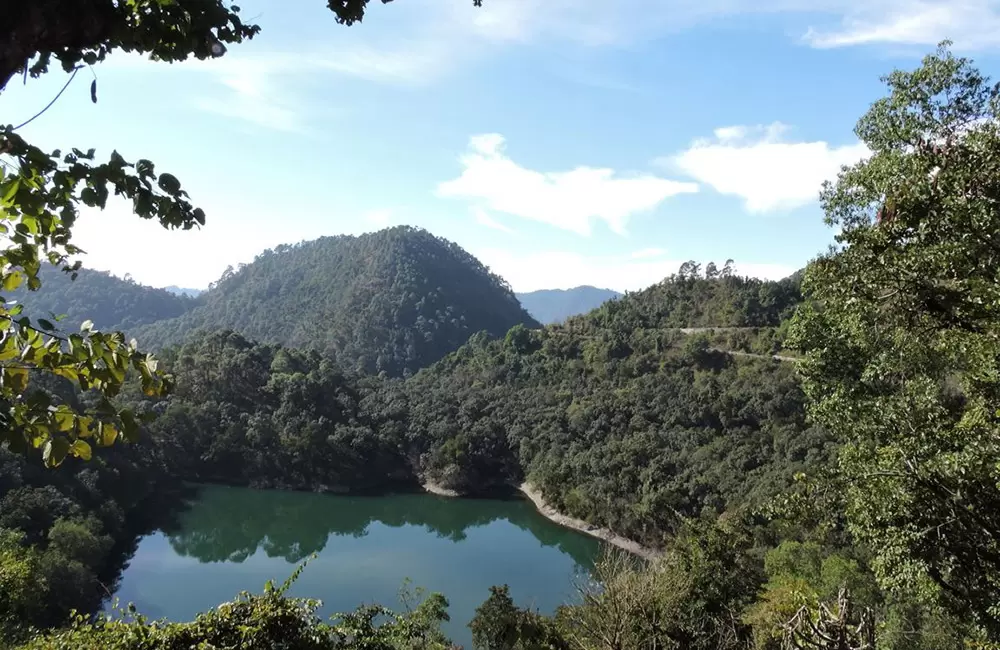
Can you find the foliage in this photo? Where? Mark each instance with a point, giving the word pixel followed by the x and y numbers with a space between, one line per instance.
pixel 393 301
pixel 901 336
pixel 41 193
pixel 109 302
pixel 68 532
pixel 500 625
pixel 267 620
pixel 266 416
pixel 618 417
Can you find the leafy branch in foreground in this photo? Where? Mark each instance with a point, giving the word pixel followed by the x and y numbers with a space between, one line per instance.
pixel 40 194
pixel 901 331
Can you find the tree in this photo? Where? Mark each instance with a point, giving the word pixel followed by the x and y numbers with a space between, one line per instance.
pixel 902 335
pixel 40 194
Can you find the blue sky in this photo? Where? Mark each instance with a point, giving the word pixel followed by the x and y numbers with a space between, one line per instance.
pixel 563 142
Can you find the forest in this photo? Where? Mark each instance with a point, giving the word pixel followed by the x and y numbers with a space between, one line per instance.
pixel 814 460
pixel 389 302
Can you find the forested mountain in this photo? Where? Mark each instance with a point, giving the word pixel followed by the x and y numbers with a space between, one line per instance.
pixel 392 301
pixel 550 306
pixel 183 291
pixel 111 303
pixel 618 416
pixel 667 420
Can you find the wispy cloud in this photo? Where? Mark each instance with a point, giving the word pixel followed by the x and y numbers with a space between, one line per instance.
pixel 422 41
pixel 759 165
pixel 972 24
pixel 571 200
pixel 483 218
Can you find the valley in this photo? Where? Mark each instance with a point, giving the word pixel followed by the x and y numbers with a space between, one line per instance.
pixel 798 460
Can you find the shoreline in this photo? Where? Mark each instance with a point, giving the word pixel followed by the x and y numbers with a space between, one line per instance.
pixel 579 525
pixel 434 488
pixel 556 517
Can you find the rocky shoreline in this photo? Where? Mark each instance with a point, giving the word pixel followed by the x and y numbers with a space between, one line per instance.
pixel 557 517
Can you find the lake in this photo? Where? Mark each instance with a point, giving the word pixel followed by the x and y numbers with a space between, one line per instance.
pixel 234 539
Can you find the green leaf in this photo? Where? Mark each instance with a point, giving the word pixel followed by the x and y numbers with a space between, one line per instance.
pixel 81 449
pixel 15 379
pixel 64 418
pixel 13 280
pixel 10 190
pixel 169 183
pixel 54 452
pixel 107 434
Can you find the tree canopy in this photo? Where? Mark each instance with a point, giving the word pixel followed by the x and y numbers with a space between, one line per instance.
pixel 902 335
pixel 393 301
pixel 41 194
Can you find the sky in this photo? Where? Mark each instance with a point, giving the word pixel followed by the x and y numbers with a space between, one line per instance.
pixel 562 142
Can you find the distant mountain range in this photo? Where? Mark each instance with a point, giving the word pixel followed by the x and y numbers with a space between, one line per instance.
pixel 556 305
pixel 183 291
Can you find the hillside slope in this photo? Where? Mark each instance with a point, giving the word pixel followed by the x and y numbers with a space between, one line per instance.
pixel 618 417
pixel 110 302
pixel 392 301
pixel 550 306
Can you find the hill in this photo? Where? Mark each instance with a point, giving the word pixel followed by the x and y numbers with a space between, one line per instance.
pixel 550 306
pixel 184 291
pixel 619 417
pixel 112 303
pixel 392 301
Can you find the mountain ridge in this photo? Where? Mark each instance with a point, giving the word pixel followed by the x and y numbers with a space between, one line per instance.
pixel 550 306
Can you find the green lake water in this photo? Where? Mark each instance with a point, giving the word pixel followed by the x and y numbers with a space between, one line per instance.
pixel 232 539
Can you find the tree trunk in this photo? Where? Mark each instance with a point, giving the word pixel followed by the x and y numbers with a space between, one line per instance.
pixel 29 28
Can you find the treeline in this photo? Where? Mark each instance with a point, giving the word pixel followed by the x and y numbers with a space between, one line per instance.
pixel 619 419
pixel 65 536
pixel 111 303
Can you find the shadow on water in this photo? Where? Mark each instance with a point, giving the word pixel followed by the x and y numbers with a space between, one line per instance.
pixel 228 524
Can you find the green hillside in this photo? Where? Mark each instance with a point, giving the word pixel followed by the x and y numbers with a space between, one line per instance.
pixel 392 301
pixel 110 302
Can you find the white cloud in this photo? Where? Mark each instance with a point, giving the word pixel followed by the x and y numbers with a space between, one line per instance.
pixel 565 270
pixel 190 258
pixel 646 253
pixel 570 200
pixel 483 218
pixel 758 165
pixel 972 24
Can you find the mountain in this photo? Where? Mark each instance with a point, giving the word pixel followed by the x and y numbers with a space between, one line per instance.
pixel 184 291
pixel 556 305
pixel 618 416
pixel 393 301
pixel 622 416
pixel 112 303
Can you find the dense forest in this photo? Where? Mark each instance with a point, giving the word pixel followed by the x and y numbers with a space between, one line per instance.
pixel 841 496
pixel 392 301
pixel 549 306
pixel 111 303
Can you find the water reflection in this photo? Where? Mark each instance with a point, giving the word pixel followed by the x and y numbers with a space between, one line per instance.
pixel 231 524
pixel 231 539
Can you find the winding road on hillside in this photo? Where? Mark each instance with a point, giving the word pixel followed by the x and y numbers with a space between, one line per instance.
pixel 735 353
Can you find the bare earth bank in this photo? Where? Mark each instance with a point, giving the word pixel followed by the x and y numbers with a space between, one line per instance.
pixel 578 524
pixel 434 488
pixel 557 517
